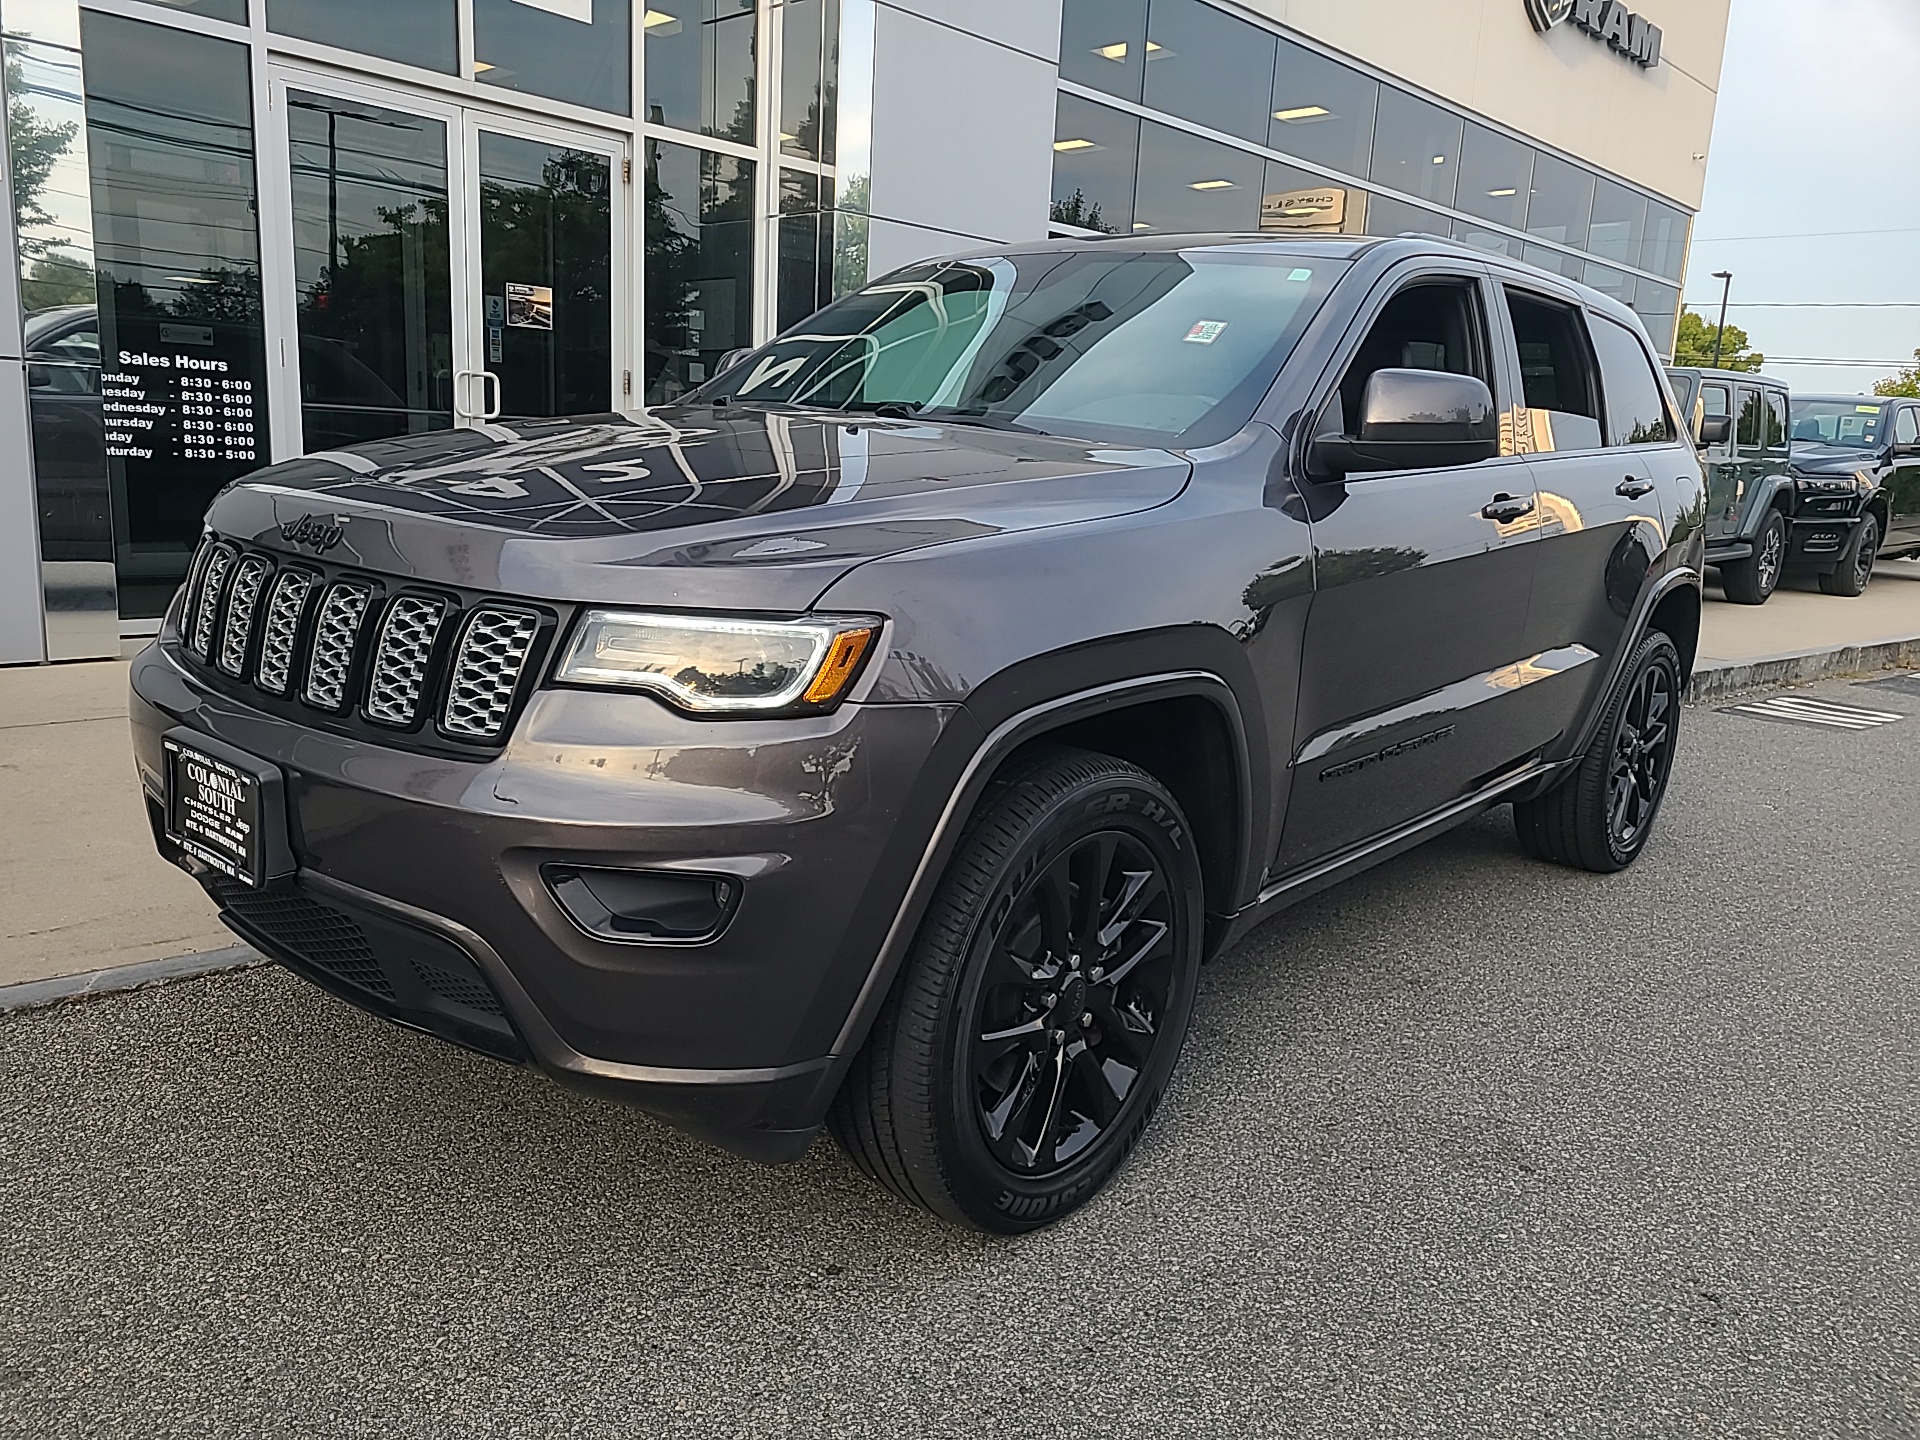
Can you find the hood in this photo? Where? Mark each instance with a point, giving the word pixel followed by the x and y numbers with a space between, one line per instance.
pixel 724 508
pixel 1810 457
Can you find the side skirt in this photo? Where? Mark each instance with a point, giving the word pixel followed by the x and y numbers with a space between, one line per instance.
pixel 1531 778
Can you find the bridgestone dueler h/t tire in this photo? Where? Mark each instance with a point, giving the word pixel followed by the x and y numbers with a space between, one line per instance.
pixel 1573 823
pixel 911 1113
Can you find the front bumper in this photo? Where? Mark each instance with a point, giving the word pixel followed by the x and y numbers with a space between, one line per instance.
pixel 434 868
pixel 1819 542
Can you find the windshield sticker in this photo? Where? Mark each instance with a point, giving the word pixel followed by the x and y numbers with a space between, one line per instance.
pixel 1866 409
pixel 1300 277
pixel 1206 332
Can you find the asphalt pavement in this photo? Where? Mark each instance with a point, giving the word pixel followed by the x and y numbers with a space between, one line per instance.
pixel 1467 1147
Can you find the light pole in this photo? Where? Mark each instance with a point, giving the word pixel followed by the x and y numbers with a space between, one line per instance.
pixel 1719 335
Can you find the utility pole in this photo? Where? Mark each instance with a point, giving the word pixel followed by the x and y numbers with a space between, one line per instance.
pixel 1726 288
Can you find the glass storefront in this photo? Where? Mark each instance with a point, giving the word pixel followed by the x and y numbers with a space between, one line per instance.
pixel 322 222
pixel 1313 145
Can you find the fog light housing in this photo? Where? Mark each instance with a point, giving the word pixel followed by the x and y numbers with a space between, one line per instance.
pixel 644 906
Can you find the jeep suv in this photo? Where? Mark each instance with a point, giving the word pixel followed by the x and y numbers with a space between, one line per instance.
pixel 1753 536
pixel 1856 466
pixel 882 738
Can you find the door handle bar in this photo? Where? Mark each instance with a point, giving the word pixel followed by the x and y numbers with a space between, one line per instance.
pixel 489 379
pixel 1506 507
pixel 1633 487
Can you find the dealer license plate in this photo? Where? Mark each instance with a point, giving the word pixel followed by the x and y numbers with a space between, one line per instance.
pixel 213 811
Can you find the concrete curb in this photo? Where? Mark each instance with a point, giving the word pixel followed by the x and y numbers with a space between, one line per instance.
pixel 38 994
pixel 1713 679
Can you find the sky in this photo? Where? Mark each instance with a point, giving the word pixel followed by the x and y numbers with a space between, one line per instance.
pixel 1818 131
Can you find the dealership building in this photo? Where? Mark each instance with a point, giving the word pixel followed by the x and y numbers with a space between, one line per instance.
pixel 241 230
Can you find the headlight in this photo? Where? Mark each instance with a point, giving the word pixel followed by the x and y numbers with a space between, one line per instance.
pixel 719 666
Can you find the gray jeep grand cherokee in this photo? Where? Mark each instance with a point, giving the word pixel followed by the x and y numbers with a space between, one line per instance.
pixel 884 737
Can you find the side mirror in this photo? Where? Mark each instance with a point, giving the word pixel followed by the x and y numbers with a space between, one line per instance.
pixel 1415 420
pixel 1715 429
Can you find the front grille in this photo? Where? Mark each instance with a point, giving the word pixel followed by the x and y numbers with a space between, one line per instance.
pixel 487 670
pixel 357 654
pixel 248 577
pixel 315 933
pixel 334 639
pixel 400 660
pixel 207 603
pixel 284 612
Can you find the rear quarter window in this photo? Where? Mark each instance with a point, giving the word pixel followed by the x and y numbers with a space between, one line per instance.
pixel 1636 402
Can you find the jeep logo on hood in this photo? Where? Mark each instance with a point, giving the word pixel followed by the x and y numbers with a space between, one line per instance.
pixel 316 535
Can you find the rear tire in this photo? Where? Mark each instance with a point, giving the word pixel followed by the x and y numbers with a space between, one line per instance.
pixel 1753 580
pixel 1600 816
pixel 1038 1017
pixel 1856 566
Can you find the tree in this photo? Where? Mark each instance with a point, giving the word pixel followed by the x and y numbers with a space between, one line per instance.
pixel 1695 346
pixel 1906 383
pixel 1077 210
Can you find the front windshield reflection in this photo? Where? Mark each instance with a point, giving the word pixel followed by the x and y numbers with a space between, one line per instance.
pixel 1148 348
pixel 1855 424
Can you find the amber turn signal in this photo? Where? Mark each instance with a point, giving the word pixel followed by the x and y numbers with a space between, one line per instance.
pixel 843 658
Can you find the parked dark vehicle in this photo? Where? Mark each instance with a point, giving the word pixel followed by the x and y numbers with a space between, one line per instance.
pixel 1753 533
pixel 883 738
pixel 69 439
pixel 1856 465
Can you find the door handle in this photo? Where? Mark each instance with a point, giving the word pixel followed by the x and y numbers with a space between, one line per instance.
pixel 1633 487
pixel 1506 507
pixel 490 380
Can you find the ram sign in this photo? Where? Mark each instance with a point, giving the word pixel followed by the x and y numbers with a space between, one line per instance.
pixel 1607 21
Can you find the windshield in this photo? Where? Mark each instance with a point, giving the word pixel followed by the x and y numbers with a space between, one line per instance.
pixel 1853 423
pixel 1157 348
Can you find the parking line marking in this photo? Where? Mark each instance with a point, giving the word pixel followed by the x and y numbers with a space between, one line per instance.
pixel 1807 710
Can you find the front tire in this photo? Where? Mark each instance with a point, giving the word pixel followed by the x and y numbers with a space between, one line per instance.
pixel 1856 566
pixel 1753 580
pixel 1037 1020
pixel 1600 817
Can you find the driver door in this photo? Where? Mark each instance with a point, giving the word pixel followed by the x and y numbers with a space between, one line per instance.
pixel 1422 585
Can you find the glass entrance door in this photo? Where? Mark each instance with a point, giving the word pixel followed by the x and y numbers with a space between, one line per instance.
pixel 448 266
pixel 541 250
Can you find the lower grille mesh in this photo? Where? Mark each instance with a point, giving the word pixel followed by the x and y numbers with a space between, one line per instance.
pixel 315 933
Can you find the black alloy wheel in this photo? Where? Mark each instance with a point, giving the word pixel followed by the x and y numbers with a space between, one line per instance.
pixel 1079 975
pixel 1600 817
pixel 1642 757
pixel 1753 580
pixel 1856 566
pixel 1039 1015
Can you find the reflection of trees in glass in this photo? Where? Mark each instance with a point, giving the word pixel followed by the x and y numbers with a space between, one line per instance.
pixel 699 259
pixel 850 236
pixel 35 146
pixel 223 294
pixel 1076 210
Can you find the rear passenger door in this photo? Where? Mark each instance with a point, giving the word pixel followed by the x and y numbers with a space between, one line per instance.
pixel 1596 417
pixel 1903 484
pixel 1422 580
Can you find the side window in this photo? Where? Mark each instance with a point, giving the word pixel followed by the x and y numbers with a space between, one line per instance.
pixel 1636 408
pixel 1430 325
pixel 1752 429
pixel 1716 404
pixel 1556 369
pixel 1776 420
pixel 1906 426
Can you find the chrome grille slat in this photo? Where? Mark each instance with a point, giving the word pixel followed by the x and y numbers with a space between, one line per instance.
pixel 249 577
pixel 401 657
pixel 285 607
pixel 334 638
pixel 207 604
pixel 486 672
